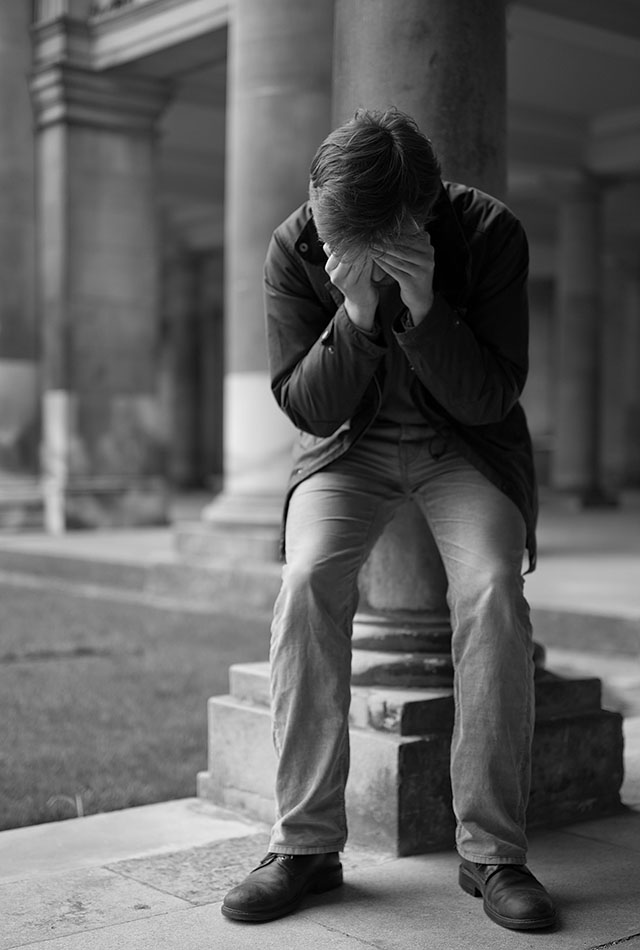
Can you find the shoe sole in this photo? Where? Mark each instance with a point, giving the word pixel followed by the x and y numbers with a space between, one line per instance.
pixel 318 884
pixel 469 884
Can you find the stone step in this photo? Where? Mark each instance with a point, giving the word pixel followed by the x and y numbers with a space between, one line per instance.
pixel 218 585
pixel 399 792
pixel 413 711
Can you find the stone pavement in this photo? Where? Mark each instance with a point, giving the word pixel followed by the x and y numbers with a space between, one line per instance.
pixel 152 878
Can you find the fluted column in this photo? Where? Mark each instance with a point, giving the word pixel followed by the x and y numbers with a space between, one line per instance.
pixel 103 444
pixel 578 385
pixel 443 62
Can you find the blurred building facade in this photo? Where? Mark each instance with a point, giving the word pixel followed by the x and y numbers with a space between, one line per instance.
pixel 149 149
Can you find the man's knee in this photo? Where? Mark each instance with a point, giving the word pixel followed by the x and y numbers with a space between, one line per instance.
pixel 316 576
pixel 492 582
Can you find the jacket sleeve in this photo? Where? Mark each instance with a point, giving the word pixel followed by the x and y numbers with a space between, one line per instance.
pixel 475 361
pixel 320 363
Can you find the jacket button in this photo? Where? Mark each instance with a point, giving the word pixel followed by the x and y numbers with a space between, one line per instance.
pixel 304 247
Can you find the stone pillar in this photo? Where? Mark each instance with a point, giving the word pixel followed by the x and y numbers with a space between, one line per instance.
pixel 616 370
pixel 578 372
pixel 103 451
pixel 444 63
pixel 192 364
pixel 278 112
pixel 441 61
pixel 632 362
pixel 19 402
pixel 181 370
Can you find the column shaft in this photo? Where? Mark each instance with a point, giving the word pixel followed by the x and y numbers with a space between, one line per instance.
pixel 279 111
pixel 632 428
pixel 576 457
pixel 103 444
pixel 441 61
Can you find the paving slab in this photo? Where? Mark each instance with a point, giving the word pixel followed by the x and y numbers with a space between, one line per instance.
pixel 75 902
pixel 388 904
pixel 40 850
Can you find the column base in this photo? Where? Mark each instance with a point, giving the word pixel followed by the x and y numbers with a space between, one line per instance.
pixel 399 792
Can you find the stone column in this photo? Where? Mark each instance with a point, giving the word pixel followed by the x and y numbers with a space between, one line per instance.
pixel 578 370
pixel 103 450
pixel 19 403
pixel 441 61
pixel 192 364
pixel 278 112
pixel 632 415
pixel 444 63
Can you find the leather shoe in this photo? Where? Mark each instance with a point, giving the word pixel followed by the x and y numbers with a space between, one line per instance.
pixel 512 897
pixel 279 883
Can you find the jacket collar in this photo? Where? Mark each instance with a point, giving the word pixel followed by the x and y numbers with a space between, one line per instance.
pixel 452 257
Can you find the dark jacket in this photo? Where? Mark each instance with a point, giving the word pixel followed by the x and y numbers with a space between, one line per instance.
pixel 469 355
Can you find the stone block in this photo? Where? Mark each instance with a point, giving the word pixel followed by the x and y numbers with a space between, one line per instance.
pixel 577 767
pixel 412 711
pixel 241 758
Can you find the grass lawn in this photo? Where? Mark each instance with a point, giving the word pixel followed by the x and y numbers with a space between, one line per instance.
pixel 105 703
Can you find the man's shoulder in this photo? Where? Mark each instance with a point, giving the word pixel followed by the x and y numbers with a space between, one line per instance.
pixel 289 231
pixel 477 210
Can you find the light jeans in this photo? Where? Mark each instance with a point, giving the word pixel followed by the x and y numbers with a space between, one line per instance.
pixel 333 521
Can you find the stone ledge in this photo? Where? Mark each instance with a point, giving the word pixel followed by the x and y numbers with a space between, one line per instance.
pixel 408 711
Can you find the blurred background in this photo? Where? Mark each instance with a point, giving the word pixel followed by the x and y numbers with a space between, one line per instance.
pixel 148 150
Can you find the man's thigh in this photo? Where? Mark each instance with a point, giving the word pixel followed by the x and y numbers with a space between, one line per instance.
pixel 335 517
pixel 476 526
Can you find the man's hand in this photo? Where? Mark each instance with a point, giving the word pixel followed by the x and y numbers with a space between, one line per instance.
pixel 410 263
pixel 353 279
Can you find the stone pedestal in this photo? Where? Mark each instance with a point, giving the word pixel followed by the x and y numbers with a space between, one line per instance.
pixel 103 446
pixel 399 793
pixel 402 630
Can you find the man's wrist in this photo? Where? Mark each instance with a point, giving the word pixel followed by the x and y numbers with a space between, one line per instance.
pixel 363 317
pixel 416 316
